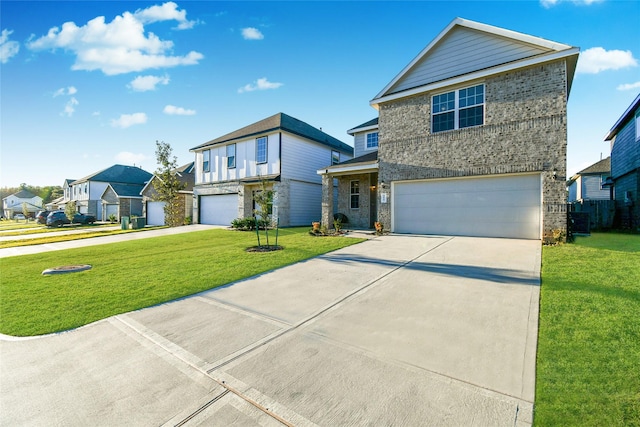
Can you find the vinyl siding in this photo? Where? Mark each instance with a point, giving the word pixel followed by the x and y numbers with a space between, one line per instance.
pixel 360 143
pixel 625 152
pixel 591 188
pixel 302 159
pixel 246 166
pixel 306 203
pixel 463 51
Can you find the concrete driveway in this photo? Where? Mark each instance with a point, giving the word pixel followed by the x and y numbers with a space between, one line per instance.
pixel 398 330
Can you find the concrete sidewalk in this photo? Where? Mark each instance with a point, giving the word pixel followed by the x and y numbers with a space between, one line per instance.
pixel 81 243
pixel 398 330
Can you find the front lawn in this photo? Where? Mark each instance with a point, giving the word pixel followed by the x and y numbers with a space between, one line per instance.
pixel 588 367
pixel 131 275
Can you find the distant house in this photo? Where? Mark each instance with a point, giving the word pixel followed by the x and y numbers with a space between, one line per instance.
pixel 16 202
pixel 624 137
pixel 153 209
pixel 472 140
pixel 280 150
pixel 590 183
pixel 115 190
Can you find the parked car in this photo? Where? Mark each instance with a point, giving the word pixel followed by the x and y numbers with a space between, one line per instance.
pixel 80 218
pixel 41 217
pixel 19 216
pixel 59 218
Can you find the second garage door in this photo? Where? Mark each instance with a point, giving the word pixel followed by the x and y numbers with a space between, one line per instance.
pixel 155 213
pixel 219 209
pixel 505 206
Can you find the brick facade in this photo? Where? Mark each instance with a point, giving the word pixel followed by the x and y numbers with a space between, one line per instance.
pixel 524 130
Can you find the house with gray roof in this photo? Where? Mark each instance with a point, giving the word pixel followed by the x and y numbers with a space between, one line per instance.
pixel 123 198
pixel 590 183
pixel 280 150
pixel 153 209
pixel 17 202
pixel 472 139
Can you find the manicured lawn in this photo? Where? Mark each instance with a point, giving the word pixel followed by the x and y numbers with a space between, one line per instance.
pixel 131 275
pixel 588 367
pixel 43 238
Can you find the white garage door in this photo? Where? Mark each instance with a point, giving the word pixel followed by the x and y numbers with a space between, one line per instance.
pixel 219 209
pixel 506 206
pixel 155 213
pixel 111 210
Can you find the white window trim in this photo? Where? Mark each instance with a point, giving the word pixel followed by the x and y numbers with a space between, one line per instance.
pixel 234 156
pixel 366 147
pixel 206 165
pixel 351 194
pixel 338 157
pixel 266 150
pixel 456 108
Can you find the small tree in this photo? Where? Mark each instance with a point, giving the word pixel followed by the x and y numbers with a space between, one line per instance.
pixel 264 202
pixel 70 209
pixel 167 186
pixel 25 210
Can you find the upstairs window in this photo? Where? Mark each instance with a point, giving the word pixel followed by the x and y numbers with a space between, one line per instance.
pixel 261 150
pixel 231 156
pixel 335 157
pixel 372 140
pixel 205 160
pixel 457 109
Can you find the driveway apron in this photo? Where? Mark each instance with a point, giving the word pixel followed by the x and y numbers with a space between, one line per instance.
pixel 398 330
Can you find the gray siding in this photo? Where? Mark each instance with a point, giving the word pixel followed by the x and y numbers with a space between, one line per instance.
pixel 592 189
pixel 359 144
pixel 305 203
pixel 463 51
pixel 625 152
pixel 302 159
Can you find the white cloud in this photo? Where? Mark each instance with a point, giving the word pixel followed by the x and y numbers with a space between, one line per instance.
pixel 127 157
pixel 178 111
pixel 597 59
pixel 550 3
pixel 8 48
pixel 70 107
pixel 145 83
pixel 167 12
pixel 260 84
pixel 120 46
pixel 127 120
pixel 71 90
pixel 629 86
pixel 251 33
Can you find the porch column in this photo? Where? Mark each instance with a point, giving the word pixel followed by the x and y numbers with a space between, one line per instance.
pixel 327 201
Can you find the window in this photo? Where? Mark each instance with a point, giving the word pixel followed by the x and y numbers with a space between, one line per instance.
pixel 261 150
pixel 231 156
pixel 335 157
pixel 86 187
pixel 355 194
pixel 458 109
pixel 372 140
pixel 205 160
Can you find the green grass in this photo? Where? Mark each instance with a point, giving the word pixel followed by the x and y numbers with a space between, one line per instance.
pixel 588 366
pixel 131 275
pixel 97 232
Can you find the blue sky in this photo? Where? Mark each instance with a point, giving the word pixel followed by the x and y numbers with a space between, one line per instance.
pixel 88 84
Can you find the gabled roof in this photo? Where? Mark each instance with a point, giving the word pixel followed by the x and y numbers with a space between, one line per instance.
pixel 24 194
pixel 361 164
pixel 188 168
pixel 370 125
pixel 185 175
pixel 283 122
pixel 119 174
pixel 467 50
pixel 622 121
pixel 126 190
pixel 603 166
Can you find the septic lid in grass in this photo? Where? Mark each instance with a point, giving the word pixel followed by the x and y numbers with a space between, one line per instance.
pixel 66 269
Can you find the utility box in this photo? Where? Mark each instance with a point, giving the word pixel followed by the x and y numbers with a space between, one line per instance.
pixel 138 222
pixel 124 222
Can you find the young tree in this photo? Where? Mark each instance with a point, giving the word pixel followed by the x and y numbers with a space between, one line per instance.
pixel 264 202
pixel 70 209
pixel 168 186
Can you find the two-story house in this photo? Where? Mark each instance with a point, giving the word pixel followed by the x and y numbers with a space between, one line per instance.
pixel 154 210
pixel 624 137
pixel 17 202
pixel 590 183
pixel 281 151
pixel 472 137
pixel 115 190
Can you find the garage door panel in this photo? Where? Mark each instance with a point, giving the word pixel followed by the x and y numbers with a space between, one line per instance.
pixel 155 213
pixel 219 209
pixel 488 206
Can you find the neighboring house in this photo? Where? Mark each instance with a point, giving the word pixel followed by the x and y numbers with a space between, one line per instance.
pixel 153 209
pixel 119 185
pixel 588 183
pixel 472 137
pixel 15 203
pixel 280 150
pixel 625 166
pixel 357 178
pixel 55 204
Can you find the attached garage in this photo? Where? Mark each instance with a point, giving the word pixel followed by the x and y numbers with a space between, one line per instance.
pixel 155 213
pixel 492 206
pixel 219 209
